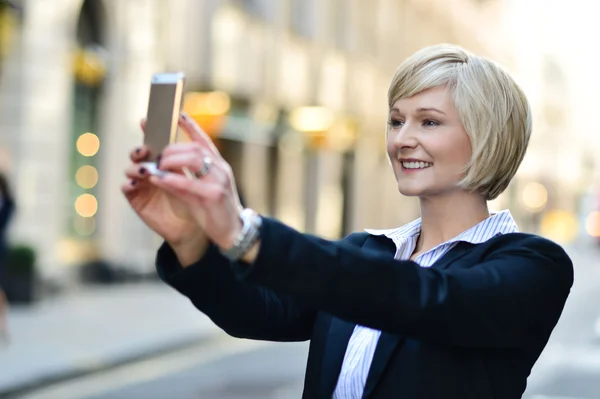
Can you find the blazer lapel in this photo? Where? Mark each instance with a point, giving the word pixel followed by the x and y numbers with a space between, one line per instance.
pixel 340 331
pixel 385 348
pixel 388 342
pixel 339 334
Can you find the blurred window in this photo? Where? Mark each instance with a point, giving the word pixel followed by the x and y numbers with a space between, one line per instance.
pixel 8 25
pixel 338 21
pixel 302 18
pixel 86 142
pixel 553 73
pixel 368 27
pixel 265 9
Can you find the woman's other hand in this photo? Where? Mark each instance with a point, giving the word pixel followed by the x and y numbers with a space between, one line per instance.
pixel 162 211
pixel 212 195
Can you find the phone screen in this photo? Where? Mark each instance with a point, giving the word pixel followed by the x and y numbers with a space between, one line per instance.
pixel 163 112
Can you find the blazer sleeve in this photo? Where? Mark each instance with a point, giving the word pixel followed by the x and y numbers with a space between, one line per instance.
pixel 513 298
pixel 242 310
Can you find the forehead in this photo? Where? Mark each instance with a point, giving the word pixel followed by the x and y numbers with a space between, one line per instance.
pixel 436 97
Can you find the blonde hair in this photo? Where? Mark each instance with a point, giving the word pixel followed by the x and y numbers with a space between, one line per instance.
pixel 492 107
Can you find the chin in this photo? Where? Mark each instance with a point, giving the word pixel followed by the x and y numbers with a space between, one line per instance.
pixel 411 191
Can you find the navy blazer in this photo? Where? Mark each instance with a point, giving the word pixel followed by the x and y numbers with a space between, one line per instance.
pixel 470 326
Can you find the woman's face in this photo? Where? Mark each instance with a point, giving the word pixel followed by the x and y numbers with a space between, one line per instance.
pixel 427 144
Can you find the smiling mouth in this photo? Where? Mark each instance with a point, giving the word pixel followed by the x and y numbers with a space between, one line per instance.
pixel 416 165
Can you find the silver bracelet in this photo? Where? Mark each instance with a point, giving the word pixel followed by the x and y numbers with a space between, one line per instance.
pixel 250 233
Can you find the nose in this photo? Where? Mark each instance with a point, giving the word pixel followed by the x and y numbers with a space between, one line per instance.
pixel 405 137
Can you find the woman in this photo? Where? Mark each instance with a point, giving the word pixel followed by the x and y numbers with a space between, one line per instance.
pixel 456 304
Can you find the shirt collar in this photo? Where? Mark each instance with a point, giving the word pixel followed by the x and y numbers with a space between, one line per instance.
pixel 497 224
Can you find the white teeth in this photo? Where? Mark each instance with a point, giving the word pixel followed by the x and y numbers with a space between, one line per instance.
pixel 416 165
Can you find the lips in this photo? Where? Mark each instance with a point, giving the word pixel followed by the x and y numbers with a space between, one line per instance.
pixel 416 164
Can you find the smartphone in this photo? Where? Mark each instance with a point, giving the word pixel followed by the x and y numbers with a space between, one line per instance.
pixel 164 106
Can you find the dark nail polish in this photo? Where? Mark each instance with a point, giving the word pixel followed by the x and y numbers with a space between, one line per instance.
pixel 133 182
pixel 158 158
pixel 184 116
pixel 143 171
pixel 137 150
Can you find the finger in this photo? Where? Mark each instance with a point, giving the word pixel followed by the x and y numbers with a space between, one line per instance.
pixel 179 161
pixel 200 190
pixel 137 172
pixel 196 134
pixel 190 164
pixel 174 191
pixel 129 187
pixel 178 148
pixel 178 193
pixel 139 154
pixel 194 160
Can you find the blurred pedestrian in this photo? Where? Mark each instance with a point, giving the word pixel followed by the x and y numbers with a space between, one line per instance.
pixel 7 208
pixel 456 304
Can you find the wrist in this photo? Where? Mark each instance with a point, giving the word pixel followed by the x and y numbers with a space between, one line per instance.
pixel 243 238
pixel 190 250
pixel 229 241
pixel 252 254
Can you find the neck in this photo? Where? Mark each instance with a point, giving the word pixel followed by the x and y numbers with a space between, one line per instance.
pixel 445 217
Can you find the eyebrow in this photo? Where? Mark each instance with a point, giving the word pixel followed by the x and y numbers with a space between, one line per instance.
pixel 423 110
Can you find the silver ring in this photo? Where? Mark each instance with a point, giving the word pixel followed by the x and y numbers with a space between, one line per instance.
pixel 207 163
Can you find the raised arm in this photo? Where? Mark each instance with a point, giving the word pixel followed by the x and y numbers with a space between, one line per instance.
pixel 515 295
pixel 242 310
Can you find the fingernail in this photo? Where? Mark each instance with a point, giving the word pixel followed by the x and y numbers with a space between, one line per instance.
pixel 137 150
pixel 133 182
pixel 158 158
pixel 143 170
pixel 184 116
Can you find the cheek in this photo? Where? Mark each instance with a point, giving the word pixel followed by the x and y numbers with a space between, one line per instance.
pixel 390 147
pixel 455 154
pixel 464 152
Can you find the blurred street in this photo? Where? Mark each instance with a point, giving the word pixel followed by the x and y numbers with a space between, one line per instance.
pixel 570 365
pixel 223 370
pixel 95 329
pixel 221 367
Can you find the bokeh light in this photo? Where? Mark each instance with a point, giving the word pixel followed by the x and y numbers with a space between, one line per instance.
pixel 592 224
pixel 88 144
pixel 84 226
pixel 535 196
pixel 86 205
pixel 312 119
pixel 559 225
pixel 87 176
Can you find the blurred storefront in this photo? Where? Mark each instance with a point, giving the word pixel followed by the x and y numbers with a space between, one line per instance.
pixel 292 91
pixel 553 193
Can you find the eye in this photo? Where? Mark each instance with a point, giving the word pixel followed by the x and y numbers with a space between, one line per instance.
pixel 395 123
pixel 430 123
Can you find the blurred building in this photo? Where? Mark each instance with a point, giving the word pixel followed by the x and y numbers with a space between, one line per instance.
pixel 553 192
pixel 293 92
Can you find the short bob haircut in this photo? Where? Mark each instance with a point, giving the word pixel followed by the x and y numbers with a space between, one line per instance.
pixel 492 107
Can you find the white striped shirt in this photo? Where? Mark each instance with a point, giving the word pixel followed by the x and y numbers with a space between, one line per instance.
pixel 362 344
